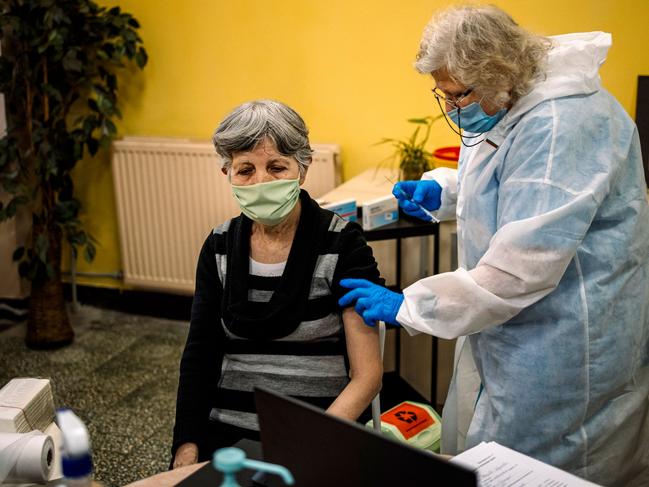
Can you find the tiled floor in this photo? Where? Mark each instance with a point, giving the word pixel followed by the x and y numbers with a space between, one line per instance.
pixel 120 376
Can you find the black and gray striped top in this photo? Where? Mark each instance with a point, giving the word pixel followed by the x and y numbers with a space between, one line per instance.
pixel 219 369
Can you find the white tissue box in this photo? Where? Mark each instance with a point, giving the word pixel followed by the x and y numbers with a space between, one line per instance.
pixel 26 404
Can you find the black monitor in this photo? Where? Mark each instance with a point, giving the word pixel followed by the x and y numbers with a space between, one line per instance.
pixel 321 450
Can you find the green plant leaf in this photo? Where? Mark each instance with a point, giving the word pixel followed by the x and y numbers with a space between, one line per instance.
pixel 111 82
pixel 71 62
pixel 129 35
pixel 78 151
pixel 18 254
pixel 12 207
pixel 141 58
pixel 89 125
pixel 41 245
pixel 109 127
pixel 67 210
pixel 105 104
pixel 89 252
pixel 413 137
pixel 423 121
pixel 104 142
pixel 49 271
pixel 93 145
pixel 23 269
pixel 51 91
pixel 79 238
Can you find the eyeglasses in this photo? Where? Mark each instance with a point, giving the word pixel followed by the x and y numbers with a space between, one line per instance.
pixel 452 101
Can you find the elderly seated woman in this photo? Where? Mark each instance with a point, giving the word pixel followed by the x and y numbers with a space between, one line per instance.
pixel 265 308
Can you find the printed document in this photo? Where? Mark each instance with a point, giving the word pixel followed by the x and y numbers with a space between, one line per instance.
pixel 499 466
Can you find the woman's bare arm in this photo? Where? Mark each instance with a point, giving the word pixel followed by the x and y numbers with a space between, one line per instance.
pixel 366 367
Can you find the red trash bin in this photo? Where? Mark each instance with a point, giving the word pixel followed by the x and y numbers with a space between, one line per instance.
pixel 446 156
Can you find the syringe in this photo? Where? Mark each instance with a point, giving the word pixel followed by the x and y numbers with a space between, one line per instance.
pixel 432 217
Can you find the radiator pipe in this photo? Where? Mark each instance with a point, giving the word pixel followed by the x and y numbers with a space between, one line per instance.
pixel 73 278
pixel 73 272
pixel 118 275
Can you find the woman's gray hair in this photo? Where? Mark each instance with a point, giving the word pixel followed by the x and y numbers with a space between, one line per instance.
pixel 250 123
pixel 483 48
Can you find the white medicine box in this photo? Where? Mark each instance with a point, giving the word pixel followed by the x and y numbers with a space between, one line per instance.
pixel 378 212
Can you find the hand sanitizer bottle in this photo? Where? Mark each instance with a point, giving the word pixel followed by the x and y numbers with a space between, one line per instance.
pixel 231 460
pixel 76 458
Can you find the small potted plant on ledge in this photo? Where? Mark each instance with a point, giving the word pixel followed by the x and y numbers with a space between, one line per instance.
pixel 414 159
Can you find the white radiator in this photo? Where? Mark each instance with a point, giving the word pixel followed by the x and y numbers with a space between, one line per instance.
pixel 170 193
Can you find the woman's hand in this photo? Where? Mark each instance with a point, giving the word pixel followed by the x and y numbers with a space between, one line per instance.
pixel 187 454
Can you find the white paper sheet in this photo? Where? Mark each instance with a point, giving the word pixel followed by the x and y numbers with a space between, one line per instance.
pixel 497 465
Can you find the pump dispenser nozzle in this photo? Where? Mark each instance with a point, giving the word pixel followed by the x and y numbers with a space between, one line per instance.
pixel 231 460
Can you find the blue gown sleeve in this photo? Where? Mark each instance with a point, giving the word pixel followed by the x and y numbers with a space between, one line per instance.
pixel 554 175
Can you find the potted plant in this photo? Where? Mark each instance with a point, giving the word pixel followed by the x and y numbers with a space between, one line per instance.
pixel 414 159
pixel 58 75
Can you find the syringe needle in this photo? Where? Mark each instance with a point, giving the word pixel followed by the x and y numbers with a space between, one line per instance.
pixel 432 217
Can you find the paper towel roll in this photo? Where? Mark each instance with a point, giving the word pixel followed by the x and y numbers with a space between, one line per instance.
pixel 55 433
pixel 25 457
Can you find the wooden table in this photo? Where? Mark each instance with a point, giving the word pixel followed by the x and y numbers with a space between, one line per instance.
pixel 169 478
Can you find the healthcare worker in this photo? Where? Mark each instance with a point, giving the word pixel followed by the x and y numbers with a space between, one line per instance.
pixel 551 300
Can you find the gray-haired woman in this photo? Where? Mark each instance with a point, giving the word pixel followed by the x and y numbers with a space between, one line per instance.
pixel 264 310
pixel 550 304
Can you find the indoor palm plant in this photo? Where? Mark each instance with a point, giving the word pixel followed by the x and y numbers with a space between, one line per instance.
pixel 58 75
pixel 414 159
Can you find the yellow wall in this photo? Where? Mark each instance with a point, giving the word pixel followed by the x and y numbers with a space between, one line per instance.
pixel 345 65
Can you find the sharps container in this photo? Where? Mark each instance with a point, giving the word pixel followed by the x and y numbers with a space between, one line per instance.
pixel 413 423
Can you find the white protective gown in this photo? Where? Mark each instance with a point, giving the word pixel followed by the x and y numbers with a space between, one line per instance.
pixel 551 300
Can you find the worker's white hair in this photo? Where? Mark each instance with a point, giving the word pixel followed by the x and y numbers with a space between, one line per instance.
pixel 483 48
pixel 250 123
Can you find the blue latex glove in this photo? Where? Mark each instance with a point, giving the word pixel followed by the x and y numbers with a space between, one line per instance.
pixel 425 193
pixel 373 302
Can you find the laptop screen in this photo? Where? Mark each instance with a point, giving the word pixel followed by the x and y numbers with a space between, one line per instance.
pixel 322 450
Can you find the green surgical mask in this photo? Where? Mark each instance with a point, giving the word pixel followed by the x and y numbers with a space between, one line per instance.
pixel 268 203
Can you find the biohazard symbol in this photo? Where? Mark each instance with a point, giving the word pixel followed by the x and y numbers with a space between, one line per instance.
pixel 406 416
